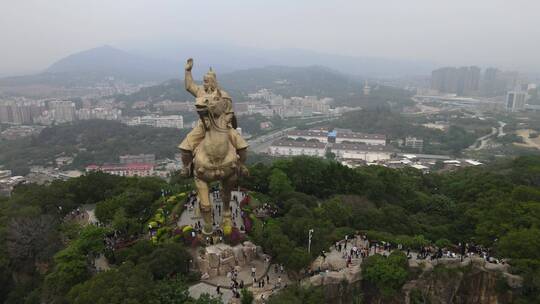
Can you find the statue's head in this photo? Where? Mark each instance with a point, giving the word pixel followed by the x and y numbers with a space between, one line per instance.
pixel 210 81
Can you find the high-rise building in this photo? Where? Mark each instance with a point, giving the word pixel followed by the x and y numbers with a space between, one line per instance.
pixel 6 115
pixel 62 110
pixel 460 81
pixel 367 88
pixel 515 100
pixel 18 112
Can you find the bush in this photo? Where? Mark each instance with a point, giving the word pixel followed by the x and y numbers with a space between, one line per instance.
pixel 246 296
pixel 388 274
pixel 443 243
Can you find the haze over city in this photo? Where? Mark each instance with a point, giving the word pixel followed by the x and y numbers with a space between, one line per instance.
pixel 483 32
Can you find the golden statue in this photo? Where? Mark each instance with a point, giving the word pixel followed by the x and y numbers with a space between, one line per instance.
pixel 213 150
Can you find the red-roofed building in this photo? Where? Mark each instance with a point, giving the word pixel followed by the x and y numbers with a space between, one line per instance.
pixel 142 169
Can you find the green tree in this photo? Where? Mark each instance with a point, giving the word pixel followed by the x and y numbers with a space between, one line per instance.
pixel 168 259
pixel 246 296
pixel 172 291
pixel 72 263
pixel 127 284
pixel 296 294
pixel 388 274
pixel 521 244
pixel 279 183
pixel 298 259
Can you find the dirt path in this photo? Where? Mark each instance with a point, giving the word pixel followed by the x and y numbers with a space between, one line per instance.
pixel 528 142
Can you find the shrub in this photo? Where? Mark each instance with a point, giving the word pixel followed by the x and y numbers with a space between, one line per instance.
pixel 387 274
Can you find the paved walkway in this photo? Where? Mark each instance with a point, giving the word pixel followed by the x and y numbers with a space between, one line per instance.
pixel 191 216
pixel 271 285
pixel 197 290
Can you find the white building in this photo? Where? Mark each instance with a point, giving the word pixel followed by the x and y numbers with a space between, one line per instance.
pixel 294 148
pixel 99 113
pixel 170 121
pixel 320 135
pixel 367 153
pixel 124 169
pixel 413 142
pixel 368 139
pixel 339 136
pixel 138 159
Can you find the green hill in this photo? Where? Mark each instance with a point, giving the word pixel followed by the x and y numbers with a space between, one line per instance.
pixel 285 81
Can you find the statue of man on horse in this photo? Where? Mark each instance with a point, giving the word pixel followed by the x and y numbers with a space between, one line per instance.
pixel 213 150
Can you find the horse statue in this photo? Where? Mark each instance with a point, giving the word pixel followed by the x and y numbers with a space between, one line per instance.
pixel 215 159
pixel 213 150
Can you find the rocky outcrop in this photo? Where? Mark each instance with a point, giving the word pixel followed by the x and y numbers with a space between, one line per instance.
pixel 220 259
pixel 472 281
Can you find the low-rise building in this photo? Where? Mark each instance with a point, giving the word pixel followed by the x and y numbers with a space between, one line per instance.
pixel 319 135
pixel 138 159
pixel 63 161
pixel 169 121
pixel 7 184
pixel 359 151
pixel 294 148
pixel 368 139
pixel 5 174
pixel 413 142
pixel 124 169
pixel 338 136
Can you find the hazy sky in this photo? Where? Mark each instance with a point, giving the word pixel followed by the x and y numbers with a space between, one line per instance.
pixel 505 33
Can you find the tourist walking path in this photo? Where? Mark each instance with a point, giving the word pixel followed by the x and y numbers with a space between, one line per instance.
pixel 191 215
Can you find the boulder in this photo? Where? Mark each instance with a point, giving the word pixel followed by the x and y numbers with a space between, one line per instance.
pixel 514 281
pixel 203 265
pixel 250 252
pixel 229 261
pixel 213 260
pixel 239 255
pixel 224 269
pixel 227 252
pixel 248 244
pixel 213 272
pixel 316 280
pixel 333 277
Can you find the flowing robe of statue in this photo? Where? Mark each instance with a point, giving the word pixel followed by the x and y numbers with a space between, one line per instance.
pixel 213 150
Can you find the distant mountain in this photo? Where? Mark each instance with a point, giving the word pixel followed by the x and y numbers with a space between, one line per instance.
pixel 228 58
pixel 68 75
pixel 93 66
pixel 111 62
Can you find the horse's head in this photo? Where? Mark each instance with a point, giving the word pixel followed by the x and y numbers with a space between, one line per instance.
pixel 210 102
pixel 201 105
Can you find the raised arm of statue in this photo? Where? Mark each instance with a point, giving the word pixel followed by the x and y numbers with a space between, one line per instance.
pixel 188 79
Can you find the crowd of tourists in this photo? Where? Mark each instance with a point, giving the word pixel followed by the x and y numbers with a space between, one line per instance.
pixel 359 247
